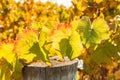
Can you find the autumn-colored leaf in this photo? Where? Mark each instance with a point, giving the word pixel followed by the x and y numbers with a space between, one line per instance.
pixel 6 50
pixel 25 41
pixel 76 45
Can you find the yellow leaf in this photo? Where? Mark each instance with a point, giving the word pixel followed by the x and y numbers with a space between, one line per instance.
pixel 98 1
pixel 10 57
pixel 81 5
pixel 6 50
pixel 76 45
pixel 28 57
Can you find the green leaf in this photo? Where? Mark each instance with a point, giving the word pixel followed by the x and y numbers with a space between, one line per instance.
pixel 94 33
pixel 17 70
pixel 65 47
pixel 103 53
pixel 45 57
pixel 41 52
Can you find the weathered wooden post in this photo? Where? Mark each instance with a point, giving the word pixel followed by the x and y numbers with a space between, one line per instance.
pixel 65 70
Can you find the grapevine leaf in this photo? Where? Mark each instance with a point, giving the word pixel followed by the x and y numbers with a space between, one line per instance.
pixel 101 28
pixel 60 32
pixel 71 47
pixel 65 47
pixel 28 57
pixel 93 33
pixel 45 56
pixel 40 52
pixel 76 45
pixel 24 42
pixel 56 39
pixel 103 53
pixel 6 50
pixel 58 36
pixel 43 36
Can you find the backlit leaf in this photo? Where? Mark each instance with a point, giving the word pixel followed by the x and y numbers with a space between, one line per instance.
pixel 44 32
pixel 94 33
pixel 28 57
pixel 60 35
pixel 6 50
pixel 25 41
pixel 76 45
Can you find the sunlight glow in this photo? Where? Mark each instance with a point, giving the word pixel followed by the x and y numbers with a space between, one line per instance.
pixel 66 3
